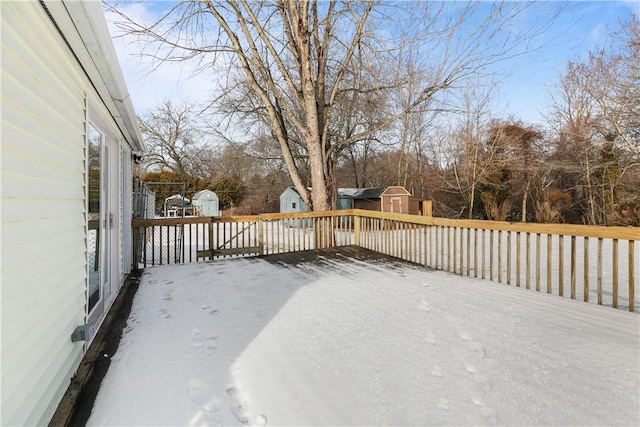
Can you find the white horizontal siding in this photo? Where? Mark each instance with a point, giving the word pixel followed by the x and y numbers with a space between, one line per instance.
pixel 44 256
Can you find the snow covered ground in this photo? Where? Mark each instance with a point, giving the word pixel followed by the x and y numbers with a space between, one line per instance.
pixel 340 341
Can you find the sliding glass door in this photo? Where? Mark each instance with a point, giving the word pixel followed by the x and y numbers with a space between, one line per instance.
pixel 101 237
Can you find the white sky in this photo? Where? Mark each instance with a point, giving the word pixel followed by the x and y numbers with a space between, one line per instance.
pixel 524 93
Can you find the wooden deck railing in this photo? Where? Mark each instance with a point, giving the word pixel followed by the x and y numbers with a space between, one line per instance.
pixel 591 263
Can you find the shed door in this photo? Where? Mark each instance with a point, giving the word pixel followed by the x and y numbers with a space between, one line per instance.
pixel 396 204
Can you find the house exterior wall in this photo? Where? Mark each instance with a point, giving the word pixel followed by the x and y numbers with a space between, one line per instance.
pixel 44 271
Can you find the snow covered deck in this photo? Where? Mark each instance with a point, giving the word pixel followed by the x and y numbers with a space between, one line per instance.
pixel 323 338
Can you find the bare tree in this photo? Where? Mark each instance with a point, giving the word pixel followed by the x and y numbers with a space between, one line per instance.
pixel 614 85
pixel 575 121
pixel 472 160
pixel 174 140
pixel 296 57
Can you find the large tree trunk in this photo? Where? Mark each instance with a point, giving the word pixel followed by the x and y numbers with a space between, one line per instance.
pixel 525 196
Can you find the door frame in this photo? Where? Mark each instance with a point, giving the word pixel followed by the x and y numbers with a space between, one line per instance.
pixel 394 199
pixel 109 224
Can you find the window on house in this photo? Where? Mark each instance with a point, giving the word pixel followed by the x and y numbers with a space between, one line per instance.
pixel 293 205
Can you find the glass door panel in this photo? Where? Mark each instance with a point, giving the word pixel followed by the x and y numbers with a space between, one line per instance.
pixel 96 226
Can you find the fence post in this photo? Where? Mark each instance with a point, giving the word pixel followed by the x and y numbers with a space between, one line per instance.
pixel 356 230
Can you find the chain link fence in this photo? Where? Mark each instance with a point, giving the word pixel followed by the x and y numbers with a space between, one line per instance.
pixel 155 200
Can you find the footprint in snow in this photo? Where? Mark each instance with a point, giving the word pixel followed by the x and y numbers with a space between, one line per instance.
pixel 202 394
pixel 431 338
pixel 209 309
pixel 471 368
pixel 464 335
pixel 211 344
pixel 164 313
pixel 437 371
pixel 473 345
pixel 443 404
pixel 197 338
pixel 201 341
pixel 489 414
pixel 239 406
pixel 483 382
pixel 478 349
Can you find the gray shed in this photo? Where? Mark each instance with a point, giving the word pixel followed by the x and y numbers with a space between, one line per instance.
pixel 360 198
pixel 291 201
pixel 206 203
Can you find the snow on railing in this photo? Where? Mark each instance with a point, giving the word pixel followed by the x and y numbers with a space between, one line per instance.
pixel 592 263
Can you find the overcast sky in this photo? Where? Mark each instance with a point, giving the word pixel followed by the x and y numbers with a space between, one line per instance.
pixel 524 90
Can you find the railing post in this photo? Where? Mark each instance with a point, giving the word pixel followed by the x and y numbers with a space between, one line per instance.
pixel 356 230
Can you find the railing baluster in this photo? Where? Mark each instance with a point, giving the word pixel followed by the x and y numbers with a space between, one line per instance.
pixel 484 258
pixel 614 266
pixel 538 262
pixel 585 266
pixel 561 265
pixel 528 261
pixel 461 250
pixel 469 252
pixel 491 255
pixel 631 257
pixel 455 249
pixel 549 262
pixel 499 256
pixel 518 259
pixel 599 272
pixel 442 244
pixel 475 252
pixel 573 267
pixel 508 257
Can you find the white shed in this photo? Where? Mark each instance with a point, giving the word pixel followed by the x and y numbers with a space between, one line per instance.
pixel 206 203
pixel 68 135
pixel 176 205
